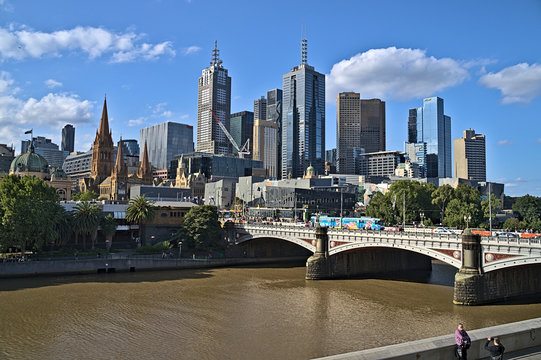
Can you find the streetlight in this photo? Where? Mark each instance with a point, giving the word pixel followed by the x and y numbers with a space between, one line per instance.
pixel 422 219
pixel 179 248
pixel 467 220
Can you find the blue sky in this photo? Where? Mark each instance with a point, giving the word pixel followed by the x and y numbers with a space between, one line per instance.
pixel 59 58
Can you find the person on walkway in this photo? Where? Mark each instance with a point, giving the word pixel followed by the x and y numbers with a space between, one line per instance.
pixel 463 342
pixel 496 350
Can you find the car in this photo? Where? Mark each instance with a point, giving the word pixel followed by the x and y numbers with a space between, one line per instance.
pixel 443 231
pixel 506 235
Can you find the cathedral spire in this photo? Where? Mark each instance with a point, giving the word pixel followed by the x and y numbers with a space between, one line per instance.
pixel 120 170
pixel 104 123
pixel 145 170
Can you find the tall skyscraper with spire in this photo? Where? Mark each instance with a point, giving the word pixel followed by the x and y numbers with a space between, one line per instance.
pixel 102 150
pixel 303 118
pixel 214 93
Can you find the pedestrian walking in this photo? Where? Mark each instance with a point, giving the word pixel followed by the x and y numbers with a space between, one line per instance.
pixel 463 342
pixel 496 350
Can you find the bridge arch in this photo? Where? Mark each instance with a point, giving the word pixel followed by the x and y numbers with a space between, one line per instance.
pixel 292 239
pixel 432 253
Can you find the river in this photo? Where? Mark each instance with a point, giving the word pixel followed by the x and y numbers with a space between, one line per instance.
pixel 229 313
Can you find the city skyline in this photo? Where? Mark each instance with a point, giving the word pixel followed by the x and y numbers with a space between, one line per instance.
pixel 489 76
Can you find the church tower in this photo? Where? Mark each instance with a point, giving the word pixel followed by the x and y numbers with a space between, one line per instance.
pixel 102 151
pixel 119 176
pixel 145 170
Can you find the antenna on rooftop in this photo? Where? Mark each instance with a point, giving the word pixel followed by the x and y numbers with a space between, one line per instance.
pixel 216 55
pixel 304 48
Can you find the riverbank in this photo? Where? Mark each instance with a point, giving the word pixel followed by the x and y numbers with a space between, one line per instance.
pixel 126 264
pixel 518 337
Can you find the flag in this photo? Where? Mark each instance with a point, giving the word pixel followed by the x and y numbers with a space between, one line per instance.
pixel 28 132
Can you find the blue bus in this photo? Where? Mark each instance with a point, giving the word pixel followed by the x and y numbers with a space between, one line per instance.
pixel 365 223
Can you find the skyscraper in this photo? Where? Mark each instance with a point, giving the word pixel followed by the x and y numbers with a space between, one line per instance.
pixel 470 156
pixel 165 141
pixel 68 138
pixel 303 119
pixel 241 128
pixel 428 124
pixel 260 108
pixel 214 93
pixel 274 114
pixel 360 128
pixel 265 145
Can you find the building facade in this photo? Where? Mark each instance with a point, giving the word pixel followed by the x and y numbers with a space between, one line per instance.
pixel 360 128
pixel 416 154
pixel 260 108
pixel 46 148
pixel 241 128
pixel 429 124
pixel 165 141
pixel 68 138
pixel 470 156
pixel 274 114
pixel 265 145
pixel 303 119
pixel 382 163
pixel 131 147
pixel 214 93
pixel 217 166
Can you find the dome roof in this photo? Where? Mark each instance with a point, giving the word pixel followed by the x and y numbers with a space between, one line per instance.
pixel 29 162
pixel 59 173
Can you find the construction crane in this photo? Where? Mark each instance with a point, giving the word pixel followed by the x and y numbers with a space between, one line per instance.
pixel 245 150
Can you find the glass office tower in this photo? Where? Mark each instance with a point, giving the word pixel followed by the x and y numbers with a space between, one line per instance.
pixel 430 125
pixel 303 119
pixel 165 141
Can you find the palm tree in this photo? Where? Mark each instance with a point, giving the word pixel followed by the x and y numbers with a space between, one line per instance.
pixel 140 211
pixel 87 219
pixel 108 226
pixel 64 228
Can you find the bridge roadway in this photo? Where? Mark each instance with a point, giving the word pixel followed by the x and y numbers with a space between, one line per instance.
pixel 496 252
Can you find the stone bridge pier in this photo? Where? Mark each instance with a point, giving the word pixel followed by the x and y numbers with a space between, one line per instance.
pixel 473 286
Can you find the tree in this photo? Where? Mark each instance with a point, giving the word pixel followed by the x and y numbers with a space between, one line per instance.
pixel 87 195
pixel 466 204
pixel 527 208
pixel 29 210
pixel 87 219
pixel 200 229
pixel 511 224
pixel 140 211
pixel 441 197
pixel 494 206
pixel 108 226
pixel 381 207
pixel 64 227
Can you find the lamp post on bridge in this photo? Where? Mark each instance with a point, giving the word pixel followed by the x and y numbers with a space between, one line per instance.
pixel 422 219
pixel 467 220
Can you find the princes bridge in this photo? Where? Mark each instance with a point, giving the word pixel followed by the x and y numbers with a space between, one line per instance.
pixel 490 268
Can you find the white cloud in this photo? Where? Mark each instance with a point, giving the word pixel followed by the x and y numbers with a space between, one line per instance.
pixel 51 111
pixel 191 50
pixel 136 122
pixel 185 116
pixel 519 83
pixel 511 185
pixel 393 73
pixel 51 84
pixel 505 143
pixel 95 42
pixel 539 140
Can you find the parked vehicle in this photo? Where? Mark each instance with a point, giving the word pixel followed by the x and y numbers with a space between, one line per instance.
pixel 443 231
pixel 506 235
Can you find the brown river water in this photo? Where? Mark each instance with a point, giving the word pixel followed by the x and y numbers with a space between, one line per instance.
pixel 230 313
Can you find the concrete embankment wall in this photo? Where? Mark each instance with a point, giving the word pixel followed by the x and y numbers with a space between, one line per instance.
pixel 33 268
pixel 514 336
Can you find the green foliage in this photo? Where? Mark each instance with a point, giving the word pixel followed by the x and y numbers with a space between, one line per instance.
pixel 29 212
pixel 527 208
pixel 511 223
pixel 494 203
pixel 380 207
pixel 87 218
pixel 108 225
pixel 140 211
pixel 64 227
pixel 158 248
pixel 441 197
pixel 466 203
pixel 87 195
pixel 200 229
